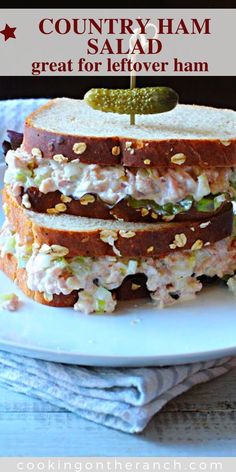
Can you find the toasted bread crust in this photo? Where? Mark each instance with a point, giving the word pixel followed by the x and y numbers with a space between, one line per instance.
pixel 152 242
pixel 8 264
pixel 201 152
pixel 41 202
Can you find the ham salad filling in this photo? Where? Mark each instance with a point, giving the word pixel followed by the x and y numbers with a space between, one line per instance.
pixel 114 183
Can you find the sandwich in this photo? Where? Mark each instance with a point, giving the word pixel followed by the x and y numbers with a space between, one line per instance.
pixel 176 165
pixel 98 211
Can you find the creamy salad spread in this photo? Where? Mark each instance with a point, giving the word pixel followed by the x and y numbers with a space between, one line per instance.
pixel 114 183
pixel 173 277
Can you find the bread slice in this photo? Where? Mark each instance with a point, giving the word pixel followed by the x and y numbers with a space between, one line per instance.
pixel 206 136
pixel 8 264
pixel 94 237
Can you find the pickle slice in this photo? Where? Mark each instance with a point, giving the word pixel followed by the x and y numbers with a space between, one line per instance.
pixel 140 101
pixel 168 209
pixel 206 204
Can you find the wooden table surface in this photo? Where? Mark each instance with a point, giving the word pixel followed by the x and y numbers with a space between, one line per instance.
pixel 201 422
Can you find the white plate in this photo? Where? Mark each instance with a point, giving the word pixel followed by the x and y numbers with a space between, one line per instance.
pixel 137 335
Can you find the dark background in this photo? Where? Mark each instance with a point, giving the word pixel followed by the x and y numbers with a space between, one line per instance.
pixel 217 91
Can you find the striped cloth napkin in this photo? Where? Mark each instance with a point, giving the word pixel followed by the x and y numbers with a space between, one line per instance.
pixel 125 399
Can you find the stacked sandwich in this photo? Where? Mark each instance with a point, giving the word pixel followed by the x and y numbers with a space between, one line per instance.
pixel 98 210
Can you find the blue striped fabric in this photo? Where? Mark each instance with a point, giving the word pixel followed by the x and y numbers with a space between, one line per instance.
pixel 124 399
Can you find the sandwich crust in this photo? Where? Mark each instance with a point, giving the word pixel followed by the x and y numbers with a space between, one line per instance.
pixel 156 153
pixel 134 148
pixel 94 239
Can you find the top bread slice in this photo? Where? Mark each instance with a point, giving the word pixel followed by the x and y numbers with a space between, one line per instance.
pixel 93 237
pixel 205 136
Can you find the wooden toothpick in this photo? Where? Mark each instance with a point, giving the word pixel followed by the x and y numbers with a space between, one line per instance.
pixel 132 86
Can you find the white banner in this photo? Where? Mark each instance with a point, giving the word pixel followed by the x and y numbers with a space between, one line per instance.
pixel 54 42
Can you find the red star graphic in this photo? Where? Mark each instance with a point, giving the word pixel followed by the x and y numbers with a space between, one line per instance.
pixel 8 32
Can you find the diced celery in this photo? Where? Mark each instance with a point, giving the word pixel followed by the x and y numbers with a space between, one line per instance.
pixel 102 297
pixel 20 176
pixel 5 297
pixel 101 305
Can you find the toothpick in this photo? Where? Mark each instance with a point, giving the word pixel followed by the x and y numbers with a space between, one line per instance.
pixel 132 86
